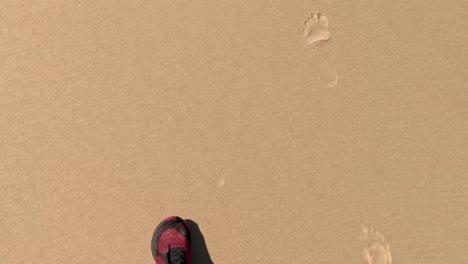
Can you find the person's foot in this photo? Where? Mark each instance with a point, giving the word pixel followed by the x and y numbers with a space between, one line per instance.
pixel 171 242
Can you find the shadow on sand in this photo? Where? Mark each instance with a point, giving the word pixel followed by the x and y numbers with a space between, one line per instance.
pixel 199 252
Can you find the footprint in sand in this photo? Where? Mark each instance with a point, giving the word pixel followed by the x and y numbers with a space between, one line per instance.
pixel 376 250
pixel 316 28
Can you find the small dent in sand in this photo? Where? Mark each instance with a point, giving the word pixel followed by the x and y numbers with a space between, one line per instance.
pixel 221 183
pixel 316 28
pixel 334 82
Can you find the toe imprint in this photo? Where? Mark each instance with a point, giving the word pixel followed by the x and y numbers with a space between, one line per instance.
pixel 316 28
pixel 376 249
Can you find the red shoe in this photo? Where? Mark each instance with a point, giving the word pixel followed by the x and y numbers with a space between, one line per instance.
pixel 171 242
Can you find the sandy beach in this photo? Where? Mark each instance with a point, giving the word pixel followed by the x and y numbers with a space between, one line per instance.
pixel 288 131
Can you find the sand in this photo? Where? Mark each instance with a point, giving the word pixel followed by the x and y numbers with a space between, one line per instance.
pixel 283 147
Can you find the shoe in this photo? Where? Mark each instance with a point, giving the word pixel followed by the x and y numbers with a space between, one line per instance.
pixel 171 242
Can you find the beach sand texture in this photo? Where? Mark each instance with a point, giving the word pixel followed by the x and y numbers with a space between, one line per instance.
pixel 327 132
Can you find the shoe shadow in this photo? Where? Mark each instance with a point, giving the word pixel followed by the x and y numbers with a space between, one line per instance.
pixel 199 251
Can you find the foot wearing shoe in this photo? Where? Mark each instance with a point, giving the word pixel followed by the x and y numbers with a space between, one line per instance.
pixel 171 242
